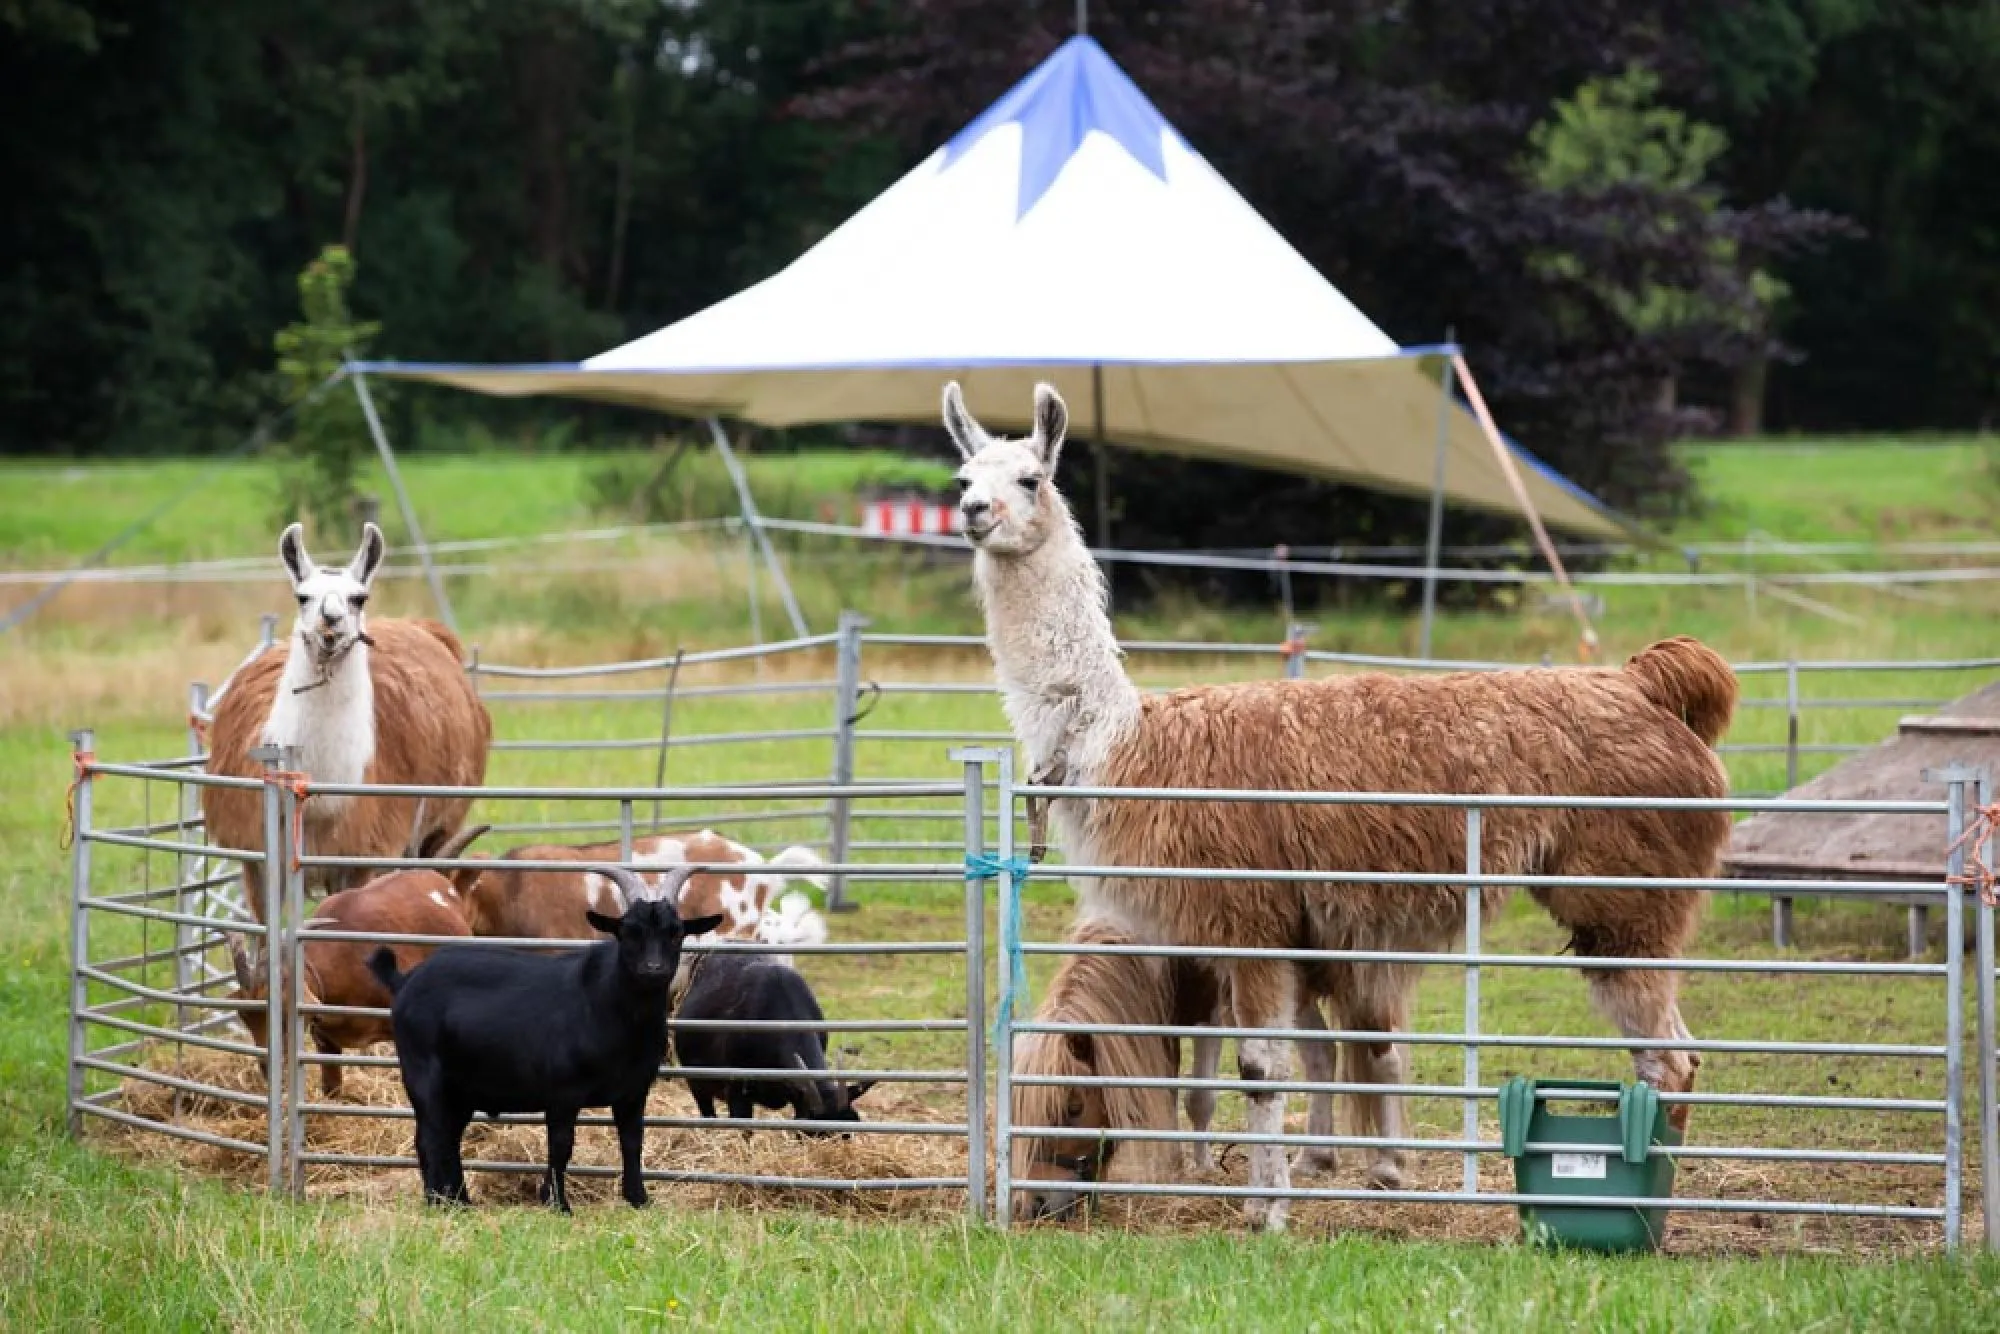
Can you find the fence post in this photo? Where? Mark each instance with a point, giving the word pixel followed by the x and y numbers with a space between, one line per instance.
pixel 1957 777
pixel 846 704
pixel 277 838
pixel 1010 996
pixel 975 759
pixel 291 941
pixel 193 868
pixel 1989 1095
pixel 1294 649
pixel 1474 837
pixel 82 745
pixel 625 830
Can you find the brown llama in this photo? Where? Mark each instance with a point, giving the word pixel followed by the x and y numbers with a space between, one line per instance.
pixel 1091 989
pixel 387 702
pixel 1646 730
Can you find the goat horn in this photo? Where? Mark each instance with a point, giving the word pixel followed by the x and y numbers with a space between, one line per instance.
pixel 810 1088
pixel 414 847
pixel 456 845
pixel 673 881
pixel 631 886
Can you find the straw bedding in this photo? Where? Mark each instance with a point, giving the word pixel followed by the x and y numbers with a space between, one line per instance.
pixel 779 1153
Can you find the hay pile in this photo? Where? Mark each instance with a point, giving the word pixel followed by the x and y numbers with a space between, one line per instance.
pixel 776 1153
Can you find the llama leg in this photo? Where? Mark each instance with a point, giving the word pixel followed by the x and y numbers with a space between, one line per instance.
pixel 1201 1102
pixel 1266 996
pixel 1316 1059
pixel 1645 1005
pixel 1381 1005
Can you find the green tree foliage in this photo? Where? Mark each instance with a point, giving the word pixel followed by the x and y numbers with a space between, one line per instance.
pixel 329 439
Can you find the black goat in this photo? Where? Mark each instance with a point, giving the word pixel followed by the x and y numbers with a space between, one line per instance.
pixel 755 987
pixel 488 1028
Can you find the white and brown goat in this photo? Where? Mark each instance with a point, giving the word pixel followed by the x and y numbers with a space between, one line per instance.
pixel 553 905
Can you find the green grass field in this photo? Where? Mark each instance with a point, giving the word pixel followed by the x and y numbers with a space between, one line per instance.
pixel 96 1235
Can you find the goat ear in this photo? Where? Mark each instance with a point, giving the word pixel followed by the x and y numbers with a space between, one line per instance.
pixel 608 925
pixel 292 551
pixel 854 1091
pixel 1051 426
pixel 368 559
pixel 701 926
pixel 966 433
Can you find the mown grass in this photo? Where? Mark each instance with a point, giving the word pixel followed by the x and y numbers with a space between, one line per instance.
pixel 89 1239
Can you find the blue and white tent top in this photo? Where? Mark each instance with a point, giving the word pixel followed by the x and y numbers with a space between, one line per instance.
pixel 1068 228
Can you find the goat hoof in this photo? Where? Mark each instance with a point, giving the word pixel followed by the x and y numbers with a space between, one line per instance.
pixel 637 1199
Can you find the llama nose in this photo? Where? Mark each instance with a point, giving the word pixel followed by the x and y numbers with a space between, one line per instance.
pixel 331 615
pixel 974 509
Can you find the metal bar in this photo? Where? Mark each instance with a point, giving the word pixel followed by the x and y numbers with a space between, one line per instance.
pixel 165 1080
pixel 1988 1047
pixel 736 690
pixel 171 1131
pixel 110 839
pixel 1790 1102
pixel 744 792
pixel 160 915
pixel 754 521
pixel 82 744
pixel 1100 448
pixel 1447 880
pixel 1473 1146
pixel 1434 533
pixel 292 945
pixel 1491 800
pixel 1474 839
pixel 1762 966
pixel 1539 1042
pixel 1954 1015
pixel 652 743
pixel 1012 968
pixel 172 1035
pixel 846 708
pixel 274 758
pixel 388 457
pixel 140 991
pixel 1371 1196
pixel 655 1174
pixel 975 982
pixel 701 658
pixel 625 830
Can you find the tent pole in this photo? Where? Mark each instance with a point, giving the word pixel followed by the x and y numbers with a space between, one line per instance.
pixel 1434 539
pixel 403 498
pixel 1099 455
pixel 754 521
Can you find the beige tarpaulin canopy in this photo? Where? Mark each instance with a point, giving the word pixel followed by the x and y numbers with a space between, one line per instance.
pixel 1069 234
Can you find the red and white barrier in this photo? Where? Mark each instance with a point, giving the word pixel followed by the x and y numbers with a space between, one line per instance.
pixel 901 517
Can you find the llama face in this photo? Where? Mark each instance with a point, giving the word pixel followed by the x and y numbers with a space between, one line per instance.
pixel 332 602
pixel 1007 491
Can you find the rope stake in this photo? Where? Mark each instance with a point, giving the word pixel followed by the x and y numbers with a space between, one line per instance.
pixel 986 866
pixel 1977 840
pixel 298 782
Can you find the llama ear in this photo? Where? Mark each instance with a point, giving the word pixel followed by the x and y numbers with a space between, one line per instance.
pixel 1051 426
pixel 369 558
pixel 966 433
pixel 292 551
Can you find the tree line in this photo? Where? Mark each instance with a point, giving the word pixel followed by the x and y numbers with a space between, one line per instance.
pixel 1644 217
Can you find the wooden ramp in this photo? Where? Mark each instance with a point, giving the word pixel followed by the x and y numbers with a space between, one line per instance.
pixel 1784 845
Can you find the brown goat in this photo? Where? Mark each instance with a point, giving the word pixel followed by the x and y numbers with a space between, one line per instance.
pixel 387 703
pixel 551 905
pixel 412 902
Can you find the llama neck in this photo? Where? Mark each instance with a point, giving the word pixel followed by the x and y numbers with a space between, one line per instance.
pixel 1065 693
pixel 330 722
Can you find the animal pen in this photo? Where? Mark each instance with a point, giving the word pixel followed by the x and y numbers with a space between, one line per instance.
pixel 868 748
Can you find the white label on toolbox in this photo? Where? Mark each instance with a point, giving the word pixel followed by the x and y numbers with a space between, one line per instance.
pixel 1577 1166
